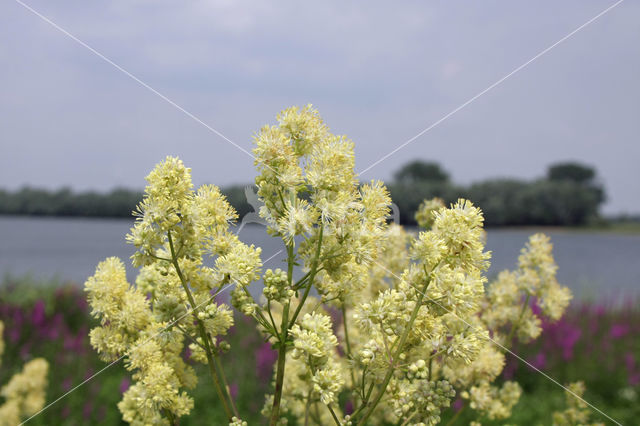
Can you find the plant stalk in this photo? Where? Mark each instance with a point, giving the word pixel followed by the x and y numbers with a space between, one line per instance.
pixel 286 324
pixel 222 394
pixel 346 340
pixel 282 348
pixel 515 326
pixel 396 354
pixel 312 275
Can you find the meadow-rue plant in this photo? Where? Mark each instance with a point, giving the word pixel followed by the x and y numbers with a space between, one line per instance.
pixel 24 394
pixel 392 324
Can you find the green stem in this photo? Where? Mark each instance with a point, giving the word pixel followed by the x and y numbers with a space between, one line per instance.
pixel 170 416
pixel 314 270
pixel 346 339
pixel 158 257
pixel 515 326
pixel 365 402
pixel 282 348
pixel 307 407
pixel 203 334
pixel 282 353
pixel 301 281
pixel 396 354
pixel 273 322
pixel 333 414
pixel 316 416
pixel 408 419
pixel 216 358
pixel 455 417
pixel 188 336
pixel 286 324
pixel 284 205
pixel 363 384
pixel 259 317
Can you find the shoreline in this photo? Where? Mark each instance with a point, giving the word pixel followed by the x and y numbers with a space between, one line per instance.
pixel 629 227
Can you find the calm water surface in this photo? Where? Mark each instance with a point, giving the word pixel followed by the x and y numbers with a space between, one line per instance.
pixel 591 264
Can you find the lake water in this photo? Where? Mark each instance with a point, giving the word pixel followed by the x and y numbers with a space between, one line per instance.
pixel 593 265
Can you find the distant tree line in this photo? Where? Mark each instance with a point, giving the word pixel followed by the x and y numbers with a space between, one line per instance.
pixel 65 202
pixel 119 202
pixel 568 195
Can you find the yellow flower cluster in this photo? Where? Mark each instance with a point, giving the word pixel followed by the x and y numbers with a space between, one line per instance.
pixel 421 399
pixel 534 280
pixel 237 422
pixel 309 189
pixel 431 310
pixel 314 343
pixel 176 230
pixel 424 215
pixel 128 328
pixel 275 286
pixel 416 319
pixel 494 402
pixel 24 394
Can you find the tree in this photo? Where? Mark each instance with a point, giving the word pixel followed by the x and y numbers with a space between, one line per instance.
pixel 499 201
pixel 409 195
pixel 582 175
pixel 575 172
pixel 418 170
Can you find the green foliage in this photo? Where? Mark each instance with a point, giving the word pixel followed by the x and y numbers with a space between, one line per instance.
pixel 541 202
pixel 501 201
pixel 571 171
pixel 39 202
pixel 559 203
pixel 119 202
pixel 409 196
pixel 420 171
pixel 569 196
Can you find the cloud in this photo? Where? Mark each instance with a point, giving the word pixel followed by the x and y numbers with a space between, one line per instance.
pixel 378 73
pixel 450 69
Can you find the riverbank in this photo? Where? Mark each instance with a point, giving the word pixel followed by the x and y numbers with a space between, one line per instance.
pixel 605 226
pixel 616 227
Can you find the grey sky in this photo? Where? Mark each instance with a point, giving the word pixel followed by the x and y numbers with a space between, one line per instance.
pixel 379 72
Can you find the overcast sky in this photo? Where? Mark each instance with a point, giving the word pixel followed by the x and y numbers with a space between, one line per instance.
pixel 378 71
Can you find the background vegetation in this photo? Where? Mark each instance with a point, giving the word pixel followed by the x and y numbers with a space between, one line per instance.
pixel 568 195
pixel 594 343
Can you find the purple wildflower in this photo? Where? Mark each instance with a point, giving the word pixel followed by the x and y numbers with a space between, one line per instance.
pixel 265 357
pixel 66 384
pixel 561 335
pixel 619 330
pixel 233 390
pixel 37 313
pixel 348 407
pixel 87 410
pixel 124 384
pixel 457 405
pixel 539 361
